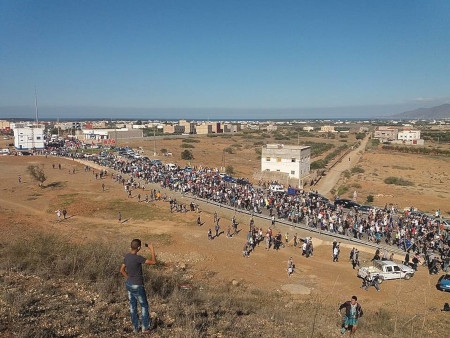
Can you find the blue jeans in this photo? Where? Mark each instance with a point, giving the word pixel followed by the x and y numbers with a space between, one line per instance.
pixel 136 293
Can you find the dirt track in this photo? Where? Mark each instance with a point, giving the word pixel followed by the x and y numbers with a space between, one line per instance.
pixel 325 185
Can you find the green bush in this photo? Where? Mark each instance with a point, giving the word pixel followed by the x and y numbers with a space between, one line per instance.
pixel 37 173
pixel 397 181
pixel 357 170
pixel 228 150
pixel 190 140
pixel 369 199
pixel 229 170
pixel 319 164
pixel 342 190
pixel 187 155
pixel 184 145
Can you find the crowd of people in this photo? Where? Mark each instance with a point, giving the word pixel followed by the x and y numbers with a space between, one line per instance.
pixel 410 230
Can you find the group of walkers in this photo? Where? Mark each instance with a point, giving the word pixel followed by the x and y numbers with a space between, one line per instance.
pixel 421 236
pixel 411 231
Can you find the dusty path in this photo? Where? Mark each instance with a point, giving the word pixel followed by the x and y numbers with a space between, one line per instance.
pixel 325 185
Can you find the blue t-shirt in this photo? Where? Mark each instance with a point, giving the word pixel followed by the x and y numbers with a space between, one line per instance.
pixel 133 264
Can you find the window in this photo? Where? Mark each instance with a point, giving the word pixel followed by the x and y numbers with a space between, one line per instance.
pixel 293 160
pixel 396 268
pixel 268 159
pixel 292 172
pixel 278 159
pixel 38 137
pixel 389 268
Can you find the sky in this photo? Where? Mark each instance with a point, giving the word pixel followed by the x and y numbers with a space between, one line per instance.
pixel 249 59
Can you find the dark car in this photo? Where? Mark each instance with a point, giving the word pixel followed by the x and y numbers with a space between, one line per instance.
pixel 229 179
pixel 242 181
pixel 444 283
pixel 318 197
pixel 346 203
pixel 365 208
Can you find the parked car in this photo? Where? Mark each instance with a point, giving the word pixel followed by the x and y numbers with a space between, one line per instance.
pixel 156 162
pixel 444 283
pixel 171 166
pixel 229 179
pixel 276 188
pixel 242 181
pixel 446 224
pixel 366 208
pixel 346 203
pixel 386 270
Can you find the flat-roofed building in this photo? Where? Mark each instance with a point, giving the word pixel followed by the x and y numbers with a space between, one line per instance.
pixel 386 134
pixel 204 129
pixel 28 136
pixel 189 127
pixel 173 129
pixel 231 127
pixel 216 127
pixel 290 159
pixel 5 125
pixel 327 129
pixel 409 135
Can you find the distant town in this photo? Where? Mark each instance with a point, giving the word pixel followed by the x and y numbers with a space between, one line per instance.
pixel 32 136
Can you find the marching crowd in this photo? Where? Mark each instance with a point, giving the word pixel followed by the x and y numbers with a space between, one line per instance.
pixel 411 231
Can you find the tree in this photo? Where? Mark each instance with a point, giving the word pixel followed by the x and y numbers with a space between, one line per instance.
pixel 187 155
pixel 37 173
pixel 229 170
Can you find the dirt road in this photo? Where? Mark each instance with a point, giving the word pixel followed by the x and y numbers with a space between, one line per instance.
pixel 330 181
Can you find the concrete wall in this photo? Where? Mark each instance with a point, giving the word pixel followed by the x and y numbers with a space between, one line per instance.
pixel 293 160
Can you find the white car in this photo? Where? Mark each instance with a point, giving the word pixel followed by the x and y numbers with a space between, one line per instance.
pixel 171 166
pixel 276 188
pixel 386 270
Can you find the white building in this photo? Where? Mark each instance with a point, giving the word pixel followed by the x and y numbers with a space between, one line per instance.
pixel 28 136
pixel 409 135
pixel 290 159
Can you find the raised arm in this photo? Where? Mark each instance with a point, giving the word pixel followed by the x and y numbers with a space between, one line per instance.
pixel 152 259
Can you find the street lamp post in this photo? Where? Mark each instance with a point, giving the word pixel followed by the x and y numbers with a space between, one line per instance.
pixel 154 140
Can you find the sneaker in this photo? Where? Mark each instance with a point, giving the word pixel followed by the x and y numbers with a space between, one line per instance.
pixel 343 330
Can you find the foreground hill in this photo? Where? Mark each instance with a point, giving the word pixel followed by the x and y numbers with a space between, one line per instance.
pixel 60 278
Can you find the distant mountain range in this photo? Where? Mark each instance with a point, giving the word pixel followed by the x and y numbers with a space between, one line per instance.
pixel 435 113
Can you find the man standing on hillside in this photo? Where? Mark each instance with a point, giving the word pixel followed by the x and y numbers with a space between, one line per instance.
pixel 353 312
pixel 131 269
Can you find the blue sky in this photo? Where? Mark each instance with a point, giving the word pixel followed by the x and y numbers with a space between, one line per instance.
pixel 214 59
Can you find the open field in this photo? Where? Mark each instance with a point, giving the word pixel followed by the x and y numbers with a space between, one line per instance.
pixel 228 295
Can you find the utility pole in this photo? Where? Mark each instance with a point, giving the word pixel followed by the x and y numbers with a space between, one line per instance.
pixel 154 140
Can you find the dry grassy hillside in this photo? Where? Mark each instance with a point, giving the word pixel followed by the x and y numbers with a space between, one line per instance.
pixel 60 279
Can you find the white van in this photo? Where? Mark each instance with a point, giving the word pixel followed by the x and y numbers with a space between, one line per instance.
pixel 171 166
